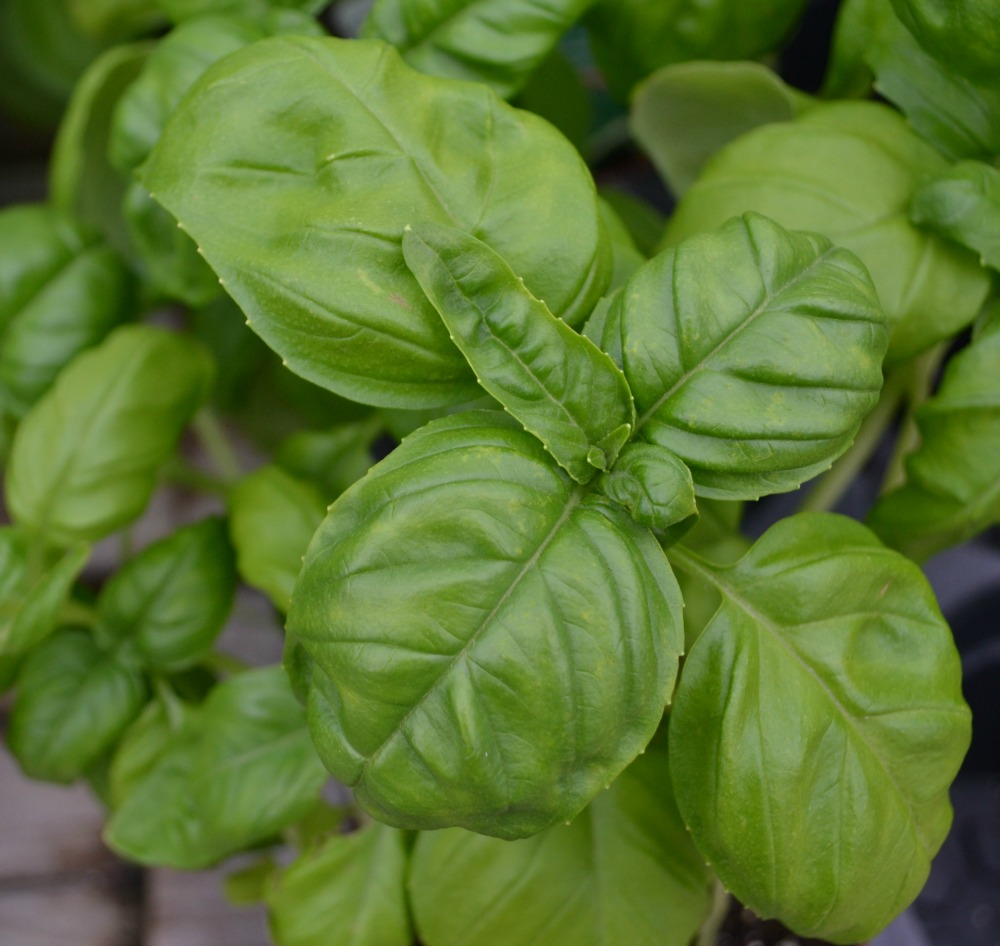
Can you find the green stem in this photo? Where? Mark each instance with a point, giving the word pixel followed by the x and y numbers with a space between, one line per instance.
pixel 76 612
pixel 708 932
pixel 171 702
pixel 216 443
pixel 833 484
pixel 224 663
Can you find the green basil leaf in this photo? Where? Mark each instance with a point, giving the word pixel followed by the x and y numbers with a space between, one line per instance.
pixel 61 291
pixel 116 19
pixel 287 511
pixel 957 115
pixel 952 488
pixel 964 34
pixel 171 601
pixel 848 170
pixel 497 42
pixel 271 202
pixel 84 461
pixel 633 38
pixel 625 871
pixel 237 772
pixel 83 182
pixel 32 597
pixel 753 354
pixel 557 383
pixel 333 459
pixel 645 222
pixel 181 10
pixel 73 701
pixel 653 485
pixel 820 710
pixel 627 256
pixel 682 114
pixel 491 646
pixel 352 886
pixel 964 206
pixel 848 73
pixel 556 91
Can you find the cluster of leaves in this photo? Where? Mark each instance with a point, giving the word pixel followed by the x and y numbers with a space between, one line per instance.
pixel 535 625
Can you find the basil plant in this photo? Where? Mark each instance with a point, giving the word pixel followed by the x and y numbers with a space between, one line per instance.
pixel 572 701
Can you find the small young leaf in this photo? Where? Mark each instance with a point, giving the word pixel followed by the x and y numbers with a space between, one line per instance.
pixel 653 485
pixel 557 383
pixel 73 701
pixel 272 202
pixel 272 517
pixel 237 771
pixel 353 887
pixel 490 645
pixel 85 459
pixel 753 354
pixel 820 710
pixel 952 488
pixel 624 872
pixel 964 206
pixel 171 600
pixel 333 459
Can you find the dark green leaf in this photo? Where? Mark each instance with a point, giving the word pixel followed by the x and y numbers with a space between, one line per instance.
pixel 848 73
pixel 556 91
pixel 181 10
pixel 491 645
pixel 497 42
pixel 73 701
pixel 557 383
pixel 848 170
pixel 272 517
pixel 753 354
pixel 952 488
pixel 85 459
pixel 333 459
pixel 116 19
pixel 964 205
pixel 963 34
pixel 624 872
pixel 645 222
pixel 272 202
pixel 820 710
pixel 682 114
pixel 237 771
pixel 171 600
pixel 349 890
pixel 627 256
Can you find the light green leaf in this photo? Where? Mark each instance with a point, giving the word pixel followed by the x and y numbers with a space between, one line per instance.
pixel 491 646
pixel 171 600
pixel 952 488
pixel 349 890
pixel 633 38
pixel 497 42
pixel 753 354
pixel 272 517
pixel 84 461
pixel 624 872
pixel 61 291
pixel 820 710
pixel 73 701
pixel 963 34
pixel 237 771
pixel 32 593
pixel 273 202
pixel 964 206
pixel 848 171
pixel 682 114
pixel 557 383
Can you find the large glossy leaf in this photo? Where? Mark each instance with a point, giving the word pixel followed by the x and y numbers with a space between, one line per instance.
pixel 633 38
pixel 560 385
pixel 85 459
pixel 74 699
pixel 303 219
pixel 349 890
pixel 964 34
pixel 952 488
pixel 491 644
pixel 753 354
pixel 61 291
pixel 624 872
pixel 498 42
pixel 272 517
pixel 819 711
pixel 171 600
pixel 848 170
pixel 964 205
pixel 237 771
pixel 683 113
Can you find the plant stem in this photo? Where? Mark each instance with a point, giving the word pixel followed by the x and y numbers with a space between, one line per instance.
pixel 216 443
pixel 833 484
pixel 171 702
pixel 224 663
pixel 708 933
pixel 76 612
